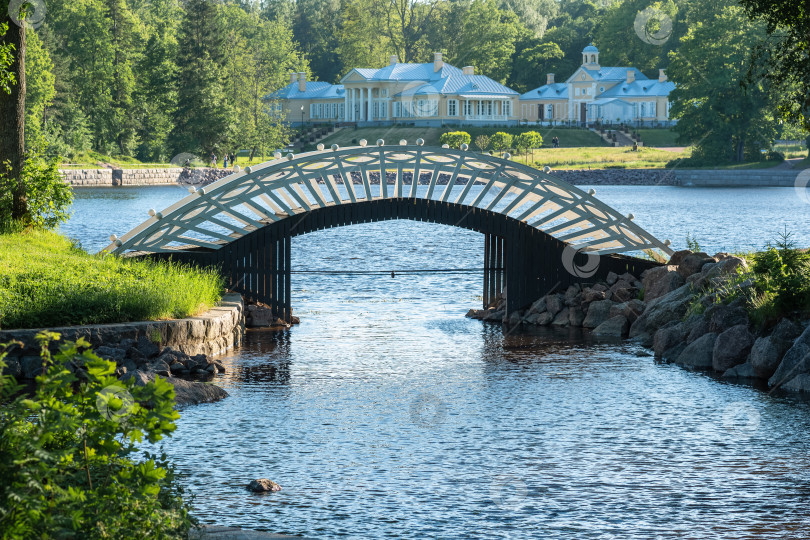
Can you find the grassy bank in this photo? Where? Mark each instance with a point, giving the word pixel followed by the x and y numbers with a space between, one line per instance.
pixel 46 281
pixel 600 158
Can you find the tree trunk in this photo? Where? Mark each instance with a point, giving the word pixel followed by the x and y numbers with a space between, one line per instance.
pixel 740 150
pixel 12 119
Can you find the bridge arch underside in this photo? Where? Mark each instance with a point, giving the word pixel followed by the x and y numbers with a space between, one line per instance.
pixel 524 260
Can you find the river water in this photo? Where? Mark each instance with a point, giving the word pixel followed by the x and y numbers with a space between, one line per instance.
pixel 386 413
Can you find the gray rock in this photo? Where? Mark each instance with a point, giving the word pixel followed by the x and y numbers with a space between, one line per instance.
pixel 600 287
pixel 147 347
pixel 495 316
pixel 622 291
pixel 160 367
pixel 135 354
pixel 678 256
pixel 592 295
pixel 515 318
pixel 668 337
pixel 699 353
pixel 130 366
pixel 612 278
pixel 794 362
pixel 630 310
pixel 670 307
pixel 109 353
pixel 800 383
pixel 722 317
pixel 531 319
pixel 220 367
pixel 741 371
pixel 575 316
pixel 765 357
pixel 211 368
pixel 631 279
pixel 177 367
pixel 598 312
pixel 672 354
pixel 613 327
pixel 561 319
pixel 13 367
pixel 30 366
pixel 699 326
pixel 572 296
pixel 538 307
pixel 660 281
pixel 263 485
pixel 141 378
pixel 545 319
pixel 692 264
pixel 555 303
pixel 731 348
pixel 785 333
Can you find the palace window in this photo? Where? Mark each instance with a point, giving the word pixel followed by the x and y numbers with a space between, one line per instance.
pixel 550 111
pixel 452 107
pixel 313 111
pixel 468 110
pixel 643 110
pixel 397 109
pixel 506 108
pixel 342 110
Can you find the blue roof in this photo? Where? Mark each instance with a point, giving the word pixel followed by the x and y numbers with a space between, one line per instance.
pixel 548 91
pixel 640 89
pixel 315 90
pixel 590 48
pixel 407 72
pixel 613 73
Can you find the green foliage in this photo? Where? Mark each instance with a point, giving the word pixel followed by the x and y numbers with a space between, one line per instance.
pixel 500 141
pixel 46 281
pixel 69 453
pixel 783 276
pixel 528 140
pixel 692 243
pixel 726 122
pixel 48 196
pixel 482 142
pixel 6 59
pixel 454 139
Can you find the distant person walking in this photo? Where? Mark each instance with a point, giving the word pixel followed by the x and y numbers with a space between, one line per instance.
pixel 233 159
pixel 213 160
pixel 225 162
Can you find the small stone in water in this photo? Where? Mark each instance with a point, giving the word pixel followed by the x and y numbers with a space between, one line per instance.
pixel 262 485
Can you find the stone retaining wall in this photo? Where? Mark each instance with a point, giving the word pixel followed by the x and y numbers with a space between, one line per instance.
pixel 211 333
pixel 142 177
pixel 617 177
pixel 737 178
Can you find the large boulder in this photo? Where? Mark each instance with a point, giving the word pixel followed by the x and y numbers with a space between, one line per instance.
pixel 598 312
pixel 561 319
pixel 555 303
pixel 575 316
pixel 538 307
pixel 263 485
pixel 572 296
pixel 670 307
pixel 800 383
pixel 613 327
pixel 794 362
pixel 659 281
pixel 544 319
pixel 630 310
pixel 622 291
pixel 732 347
pixel 678 256
pixel 722 317
pixel 727 268
pixel 764 358
pixel 692 264
pixel 741 371
pixel 698 326
pixel 592 295
pixel 668 337
pixel 699 353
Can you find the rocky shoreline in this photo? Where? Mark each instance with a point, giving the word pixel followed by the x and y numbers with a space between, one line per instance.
pixel 674 310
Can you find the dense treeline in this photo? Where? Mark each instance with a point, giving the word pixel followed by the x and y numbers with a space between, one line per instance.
pixel 156 78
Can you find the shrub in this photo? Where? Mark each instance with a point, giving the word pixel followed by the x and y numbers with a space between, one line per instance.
pixel 782 277
pixel 501 141
pixel 528 140
pixel 454 139
pixel 482 142
pixel 68 453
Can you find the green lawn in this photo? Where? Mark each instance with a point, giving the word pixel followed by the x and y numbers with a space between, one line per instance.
pixel 658 137
pixel 600 158
pixel 46 281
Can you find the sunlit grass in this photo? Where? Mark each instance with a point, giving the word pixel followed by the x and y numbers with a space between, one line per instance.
pixel 46 281
pixel 600 158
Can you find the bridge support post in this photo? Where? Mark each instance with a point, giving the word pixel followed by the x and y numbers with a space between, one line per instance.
pixel 493 268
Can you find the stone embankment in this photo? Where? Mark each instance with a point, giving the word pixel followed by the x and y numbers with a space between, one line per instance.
pixel 675 310
pixel 173 349
pixel 143 177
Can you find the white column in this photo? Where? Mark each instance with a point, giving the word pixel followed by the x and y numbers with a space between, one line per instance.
pixel 350 112
pixel 346 107
pixel 371 104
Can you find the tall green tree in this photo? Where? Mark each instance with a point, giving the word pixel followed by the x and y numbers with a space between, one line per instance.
pixel 204 118
pixel 784 57
pixel 728 122
pixel 124 32
pixel 406 24
pixel 533 14
pixel 12 111
pixel 356 46
pixel 315 26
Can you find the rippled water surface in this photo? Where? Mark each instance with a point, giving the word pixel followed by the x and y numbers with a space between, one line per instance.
pixel 386 413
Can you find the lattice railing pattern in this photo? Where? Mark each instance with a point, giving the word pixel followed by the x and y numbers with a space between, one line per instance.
pixel 238 204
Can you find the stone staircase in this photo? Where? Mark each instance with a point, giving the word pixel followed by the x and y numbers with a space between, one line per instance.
pixel 622 139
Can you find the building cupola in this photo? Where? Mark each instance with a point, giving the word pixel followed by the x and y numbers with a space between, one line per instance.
pixel 590 57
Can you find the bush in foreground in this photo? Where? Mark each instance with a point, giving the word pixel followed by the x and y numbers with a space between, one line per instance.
pixel 68 453
pixel 47 281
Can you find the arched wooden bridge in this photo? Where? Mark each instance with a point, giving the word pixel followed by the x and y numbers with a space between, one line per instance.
pixel 540 233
